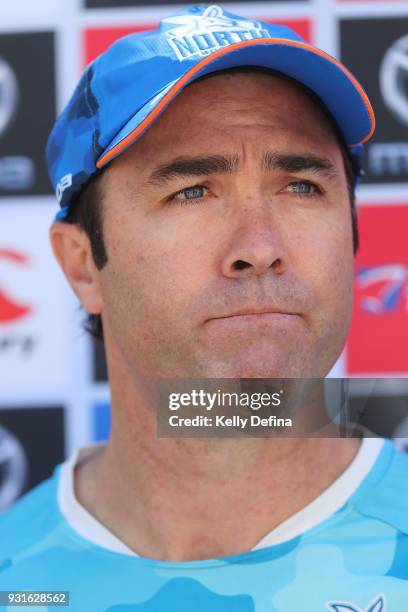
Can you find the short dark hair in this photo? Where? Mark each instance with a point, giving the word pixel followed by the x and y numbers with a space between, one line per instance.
pixel 87 209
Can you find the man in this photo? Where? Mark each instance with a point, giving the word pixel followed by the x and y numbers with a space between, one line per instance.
pixel 213 160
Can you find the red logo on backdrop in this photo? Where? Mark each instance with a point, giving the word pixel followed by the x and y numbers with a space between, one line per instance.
pixel 379 333
pixel 97 40
pixel 11 310
pixel 300 26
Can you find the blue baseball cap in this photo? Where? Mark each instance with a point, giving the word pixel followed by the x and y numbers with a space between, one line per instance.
pixel 125 89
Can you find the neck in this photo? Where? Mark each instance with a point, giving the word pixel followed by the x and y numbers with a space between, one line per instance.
pixel 183 499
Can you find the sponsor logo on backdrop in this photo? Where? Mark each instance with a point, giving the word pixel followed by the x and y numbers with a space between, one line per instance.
pixel 14 310
pixel 27 111
pixel 36 306
pixel 388 159
pixel 381 64
pixel 10 309
pixel 31 445
pixel 383 288
pixel 379 331
pixel 13 468
pixel 8 95
pixel 16 172
pixel 394 79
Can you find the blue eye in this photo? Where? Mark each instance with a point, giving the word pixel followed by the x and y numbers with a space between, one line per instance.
pixel 304 188
pixel 189 194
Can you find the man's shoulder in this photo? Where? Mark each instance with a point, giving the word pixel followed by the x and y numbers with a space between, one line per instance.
pixel 30 519
pixel 384 495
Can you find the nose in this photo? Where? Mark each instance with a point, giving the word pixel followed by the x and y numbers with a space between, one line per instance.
pixel 255 246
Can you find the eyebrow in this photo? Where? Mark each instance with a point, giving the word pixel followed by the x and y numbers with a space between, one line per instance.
pixel 194 166
pixel 182 167
pixel 292 162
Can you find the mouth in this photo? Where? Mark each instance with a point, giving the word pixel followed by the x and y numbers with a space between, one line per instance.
pixel 257 313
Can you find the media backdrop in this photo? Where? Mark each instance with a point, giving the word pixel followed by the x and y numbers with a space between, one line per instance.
pixel 53 390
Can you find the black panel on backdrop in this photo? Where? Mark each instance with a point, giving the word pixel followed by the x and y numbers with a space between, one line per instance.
pixel 380 62
pixel 27 111
pixel 117 3
pixel 100 369
pixel 31 445
pixel 382 415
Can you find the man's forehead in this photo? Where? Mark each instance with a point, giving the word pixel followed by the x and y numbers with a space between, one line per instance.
pixel 255 88
pixel 191 126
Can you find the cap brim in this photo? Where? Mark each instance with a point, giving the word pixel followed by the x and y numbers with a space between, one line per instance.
pixel 337 88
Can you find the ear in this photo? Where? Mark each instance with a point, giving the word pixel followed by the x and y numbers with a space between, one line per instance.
pixel 72 250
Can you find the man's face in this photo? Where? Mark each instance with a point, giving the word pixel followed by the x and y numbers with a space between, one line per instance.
pixel 229 239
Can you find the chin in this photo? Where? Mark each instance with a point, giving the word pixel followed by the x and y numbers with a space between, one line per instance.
pixel 252 365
